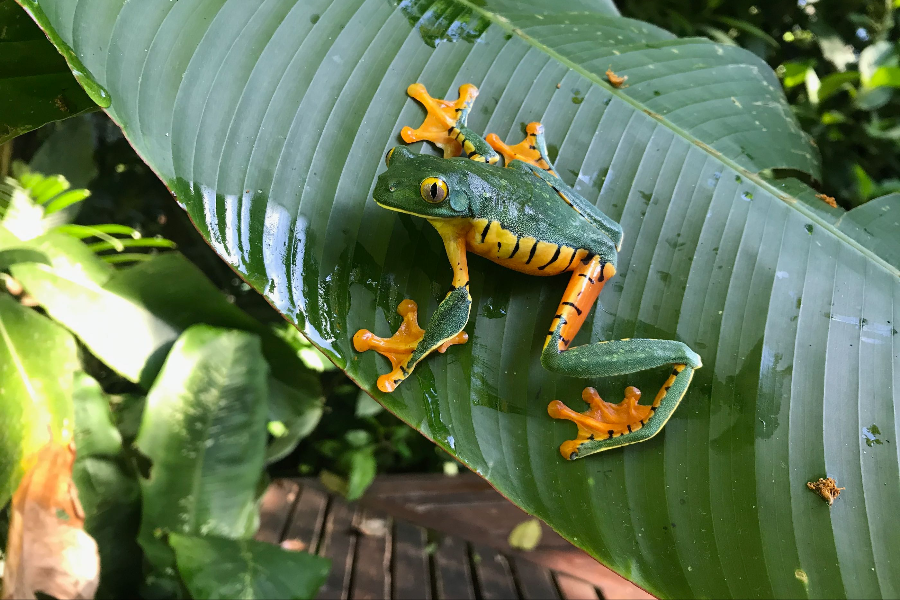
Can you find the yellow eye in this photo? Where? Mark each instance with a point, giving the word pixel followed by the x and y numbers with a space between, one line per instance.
pixel 387 157
pixel 434 190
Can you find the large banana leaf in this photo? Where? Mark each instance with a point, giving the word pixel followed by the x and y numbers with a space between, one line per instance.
pixel 269 120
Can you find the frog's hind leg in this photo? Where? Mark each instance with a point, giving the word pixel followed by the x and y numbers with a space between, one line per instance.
pixel 445 125
pixel 604 425
pixel 532 150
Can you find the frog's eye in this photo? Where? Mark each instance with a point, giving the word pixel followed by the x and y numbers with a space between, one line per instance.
pixel 387 157
pixel 434 190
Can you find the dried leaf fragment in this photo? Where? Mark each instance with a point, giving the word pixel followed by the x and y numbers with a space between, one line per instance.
pixel 829 200
pixel 826 488
pixel 48 550
pixel 615 80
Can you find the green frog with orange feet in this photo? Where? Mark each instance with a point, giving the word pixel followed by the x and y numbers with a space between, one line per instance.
pixel 523 217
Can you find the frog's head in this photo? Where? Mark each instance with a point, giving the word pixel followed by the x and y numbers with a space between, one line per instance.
pixel 425 186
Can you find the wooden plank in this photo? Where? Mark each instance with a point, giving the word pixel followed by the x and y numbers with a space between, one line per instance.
pixel 493 574
pixel 338 544
pixel 275 510
pixel 410 573
pixel 573 588
pixel 372 567
pixel 535 581
pixel 304 529
pixel 451 569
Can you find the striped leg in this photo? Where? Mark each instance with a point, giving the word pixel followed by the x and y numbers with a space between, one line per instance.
pixel 604 425
pixel 445 125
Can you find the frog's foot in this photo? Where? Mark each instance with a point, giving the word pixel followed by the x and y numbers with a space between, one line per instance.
pixel 441 125
pixel 603 420
pixel 531 150
pixel 399 347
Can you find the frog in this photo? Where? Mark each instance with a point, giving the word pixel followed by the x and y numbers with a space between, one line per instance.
pixel 522 216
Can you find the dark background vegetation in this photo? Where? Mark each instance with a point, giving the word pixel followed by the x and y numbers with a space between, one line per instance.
pixel 838 60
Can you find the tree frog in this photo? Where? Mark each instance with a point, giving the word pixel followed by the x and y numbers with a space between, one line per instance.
pixel 523 217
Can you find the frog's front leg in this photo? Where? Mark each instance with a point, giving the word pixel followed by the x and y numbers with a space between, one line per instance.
pixel 606 425
pixel 445 125
pixel 411 343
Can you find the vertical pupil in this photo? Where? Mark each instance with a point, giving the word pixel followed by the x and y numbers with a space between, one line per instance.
pixel 434 191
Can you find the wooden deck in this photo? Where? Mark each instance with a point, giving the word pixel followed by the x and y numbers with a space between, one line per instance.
pixel 432 537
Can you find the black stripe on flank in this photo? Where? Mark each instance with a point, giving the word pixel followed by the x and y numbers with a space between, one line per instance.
pixel 499 246
pixel 601 271
pixel 572 258
pixel 578 310
pixel 629 429
pixel 403 370
pixel 675 372
pixel 484 232
pixel 610 432
pixel 552 260
pixel 533 250
pixel 515 249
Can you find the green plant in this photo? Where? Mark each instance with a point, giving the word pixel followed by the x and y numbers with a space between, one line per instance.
pixel 838 64
pixel 785 298
pixel 191 435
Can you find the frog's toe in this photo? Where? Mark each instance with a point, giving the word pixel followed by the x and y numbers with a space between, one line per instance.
pixel 603 420
pixel 398 348
pixel 531 150
pixel 443 119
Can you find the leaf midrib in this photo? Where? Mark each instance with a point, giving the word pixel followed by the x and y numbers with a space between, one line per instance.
pixel 791 201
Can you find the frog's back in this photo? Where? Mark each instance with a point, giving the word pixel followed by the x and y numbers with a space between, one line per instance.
pixel 530 228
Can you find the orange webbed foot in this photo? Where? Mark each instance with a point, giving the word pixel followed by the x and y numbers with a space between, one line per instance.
pixel 528 150
pixel 443 116
pixel 603 420
pixel 397 348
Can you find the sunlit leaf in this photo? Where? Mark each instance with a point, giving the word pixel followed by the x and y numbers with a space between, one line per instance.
pixel 37 361
pixel 204 433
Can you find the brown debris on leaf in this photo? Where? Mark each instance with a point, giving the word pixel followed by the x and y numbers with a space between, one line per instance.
pixel 615 80
pixel 826 488
pixel 48 550
pixel 829 200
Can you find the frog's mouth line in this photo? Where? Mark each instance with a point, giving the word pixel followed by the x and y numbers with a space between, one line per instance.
pixel 400 210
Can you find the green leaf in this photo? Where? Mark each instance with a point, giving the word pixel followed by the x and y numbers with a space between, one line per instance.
pixel 362 472
pixel 110 495
pixel 270 123
pixel 834 82
pixel 298 411
pixel 215 567
pixel 886 77
pixel 875 224
pixel 204 430
pixel 129 318
pixel 68 151
pixel 36 86
pixel 95 433
pixel 38 360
